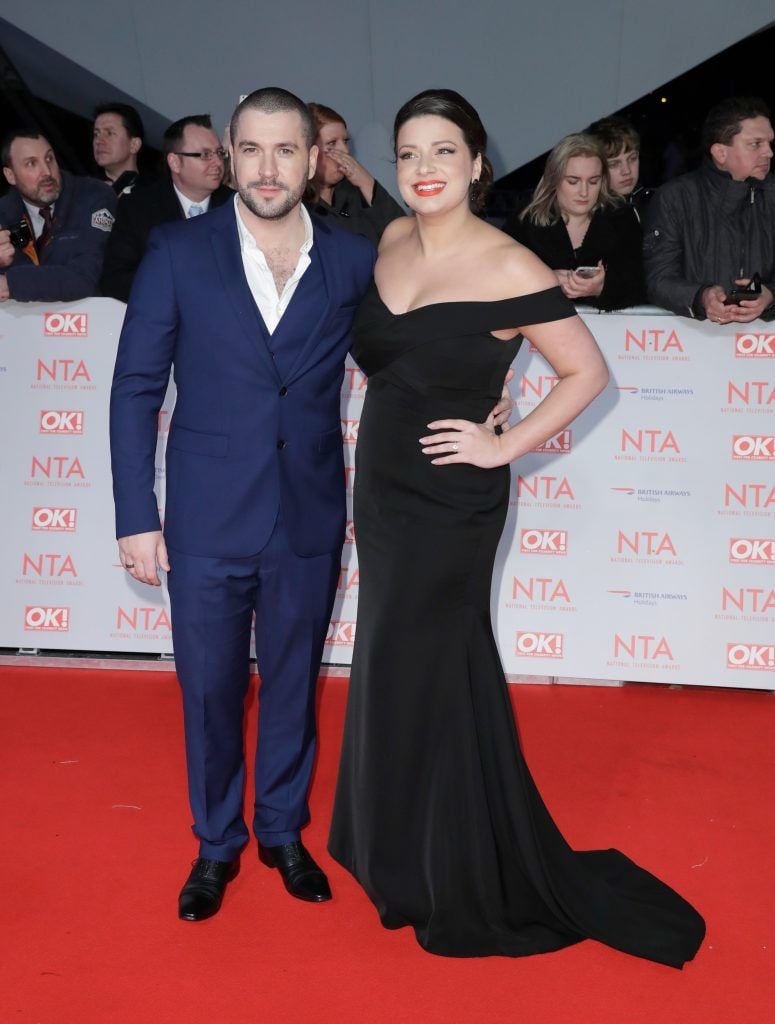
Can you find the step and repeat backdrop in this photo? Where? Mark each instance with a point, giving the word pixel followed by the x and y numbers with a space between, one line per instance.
pixel 640 543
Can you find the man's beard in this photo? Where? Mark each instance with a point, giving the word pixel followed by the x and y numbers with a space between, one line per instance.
pixel 47 196
pixel 269 211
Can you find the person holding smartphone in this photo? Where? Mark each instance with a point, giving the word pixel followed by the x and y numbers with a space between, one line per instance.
pixel 709 242
pixel 590 239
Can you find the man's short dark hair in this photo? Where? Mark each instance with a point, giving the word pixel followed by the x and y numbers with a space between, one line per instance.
pixel 275 101
pixel 615 135
pixel 130 118
pixel 722 122
pixel 173 136
pixel 11 137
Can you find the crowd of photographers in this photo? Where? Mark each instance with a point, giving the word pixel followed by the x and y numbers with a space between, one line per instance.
pixel 702 245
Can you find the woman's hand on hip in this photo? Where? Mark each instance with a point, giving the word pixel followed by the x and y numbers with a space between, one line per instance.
pixel 463 441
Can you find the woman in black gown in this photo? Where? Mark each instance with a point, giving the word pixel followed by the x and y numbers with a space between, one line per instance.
pixel 436 814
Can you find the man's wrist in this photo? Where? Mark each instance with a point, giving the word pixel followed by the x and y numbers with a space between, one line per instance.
pixel 698 303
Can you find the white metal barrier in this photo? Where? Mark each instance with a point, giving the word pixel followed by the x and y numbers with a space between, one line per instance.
pixel 640 543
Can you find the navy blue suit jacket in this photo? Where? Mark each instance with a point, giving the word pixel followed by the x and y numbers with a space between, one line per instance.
pixel 251 432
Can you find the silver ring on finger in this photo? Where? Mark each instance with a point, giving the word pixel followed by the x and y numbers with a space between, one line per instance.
pixel 455 446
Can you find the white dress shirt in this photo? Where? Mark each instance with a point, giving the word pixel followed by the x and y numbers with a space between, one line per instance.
pixel 259 276
pixel 187 203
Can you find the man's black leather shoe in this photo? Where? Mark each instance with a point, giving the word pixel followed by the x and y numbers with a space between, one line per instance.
pixel 301 875
pixel 202 894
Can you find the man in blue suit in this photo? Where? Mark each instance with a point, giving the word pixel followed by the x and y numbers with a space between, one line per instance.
pixel 253 305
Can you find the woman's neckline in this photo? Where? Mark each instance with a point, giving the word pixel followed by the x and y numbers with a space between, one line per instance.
pixel 459 302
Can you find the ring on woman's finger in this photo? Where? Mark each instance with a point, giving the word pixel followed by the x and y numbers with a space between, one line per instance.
pixel 455 446
pixel 129 565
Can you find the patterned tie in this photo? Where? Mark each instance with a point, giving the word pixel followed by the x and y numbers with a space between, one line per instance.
pixel 48 219
pixel 194 210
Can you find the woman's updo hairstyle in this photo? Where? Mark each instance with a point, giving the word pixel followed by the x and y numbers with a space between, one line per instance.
pixel 453 107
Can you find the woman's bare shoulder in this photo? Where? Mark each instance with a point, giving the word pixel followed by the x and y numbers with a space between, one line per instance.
pixel 515 269
pixel 396 230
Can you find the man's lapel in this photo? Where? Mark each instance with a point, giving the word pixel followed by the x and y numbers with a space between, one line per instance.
pixel 328 260
pixel 226 247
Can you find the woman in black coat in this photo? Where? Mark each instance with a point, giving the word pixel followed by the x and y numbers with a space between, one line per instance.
pixel 342 188
pixel 574 224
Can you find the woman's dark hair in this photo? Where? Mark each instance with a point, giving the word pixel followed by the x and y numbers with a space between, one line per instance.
pixel 452 107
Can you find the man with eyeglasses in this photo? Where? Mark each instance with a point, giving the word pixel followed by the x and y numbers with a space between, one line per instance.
pixel 196 163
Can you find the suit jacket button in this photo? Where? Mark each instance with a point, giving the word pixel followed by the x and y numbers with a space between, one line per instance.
pixel 281 444
pixel 283 392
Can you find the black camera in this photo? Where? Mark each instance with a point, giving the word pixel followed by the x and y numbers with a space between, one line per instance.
pixel 20 236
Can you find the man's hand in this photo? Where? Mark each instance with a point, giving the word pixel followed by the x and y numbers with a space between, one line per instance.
pixel 140 555
pixel 7 251
pixel 499 417
pixel 5 292
pixel 712 300
pixel 751 309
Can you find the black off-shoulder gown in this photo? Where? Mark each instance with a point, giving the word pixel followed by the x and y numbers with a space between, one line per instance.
pixel 436 813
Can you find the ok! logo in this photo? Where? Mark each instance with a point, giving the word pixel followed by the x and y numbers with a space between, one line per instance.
pixel 66 325
pixel 543 542
pixel 756 447
pixel 61 421
pixel 560 444
pixel 756 657
pixel 55 520
pixel 540 645
pixel 47 619
pixel 754 346
pixel 752 551
pixel 341 634
pixel 350 431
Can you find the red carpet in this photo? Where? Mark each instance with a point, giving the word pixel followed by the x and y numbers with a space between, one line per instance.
pixel 96 846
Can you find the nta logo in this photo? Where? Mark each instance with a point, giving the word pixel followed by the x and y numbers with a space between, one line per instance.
pixel 540 588
pixel 539 386
pixel 57 520
pixel 751 551
pixel 754 346
pixel 46 619
pixel 66 325
pixel 550 488
pixel 56 467
pixel 543 542
pixel 751 392
pixel 651 441
pixel 650 648
pixel 48 566
pixel 759 657
pixel 749 495
pixel 759 447
pixel 61 421
pixel 151 619
pixel 646 542
pixel 652 341
pixel 540 645
pixel 66 371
